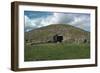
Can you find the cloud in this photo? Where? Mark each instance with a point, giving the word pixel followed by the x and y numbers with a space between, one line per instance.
pixel 32 23
pixel 28 24
pixel 75 19
pixel 81 21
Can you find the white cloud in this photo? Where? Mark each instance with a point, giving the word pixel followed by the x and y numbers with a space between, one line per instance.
pixel 28 24
pixel 82 22
pixel 32 23
pixel 78 20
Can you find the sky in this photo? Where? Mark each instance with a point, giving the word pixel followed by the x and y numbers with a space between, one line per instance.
pixel 37 19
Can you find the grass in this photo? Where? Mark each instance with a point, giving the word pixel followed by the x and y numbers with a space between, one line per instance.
pixel 56 51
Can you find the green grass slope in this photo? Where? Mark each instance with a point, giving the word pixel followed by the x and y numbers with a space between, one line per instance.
pixel 56 51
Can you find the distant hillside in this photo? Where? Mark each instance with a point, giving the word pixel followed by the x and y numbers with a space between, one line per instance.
pixel 45 34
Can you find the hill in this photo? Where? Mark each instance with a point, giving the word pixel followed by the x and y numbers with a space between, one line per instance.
pixel 39 45
pixel 45 34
